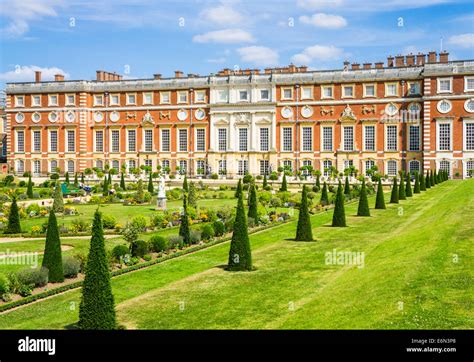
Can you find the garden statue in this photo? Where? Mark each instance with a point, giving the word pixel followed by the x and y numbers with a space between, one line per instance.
pixel 161 199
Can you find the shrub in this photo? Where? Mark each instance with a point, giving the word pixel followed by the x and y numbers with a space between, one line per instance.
pixel 247 179
pixel 22 183
pixel 158 243
pixel 52 260
pixel 139 222
pixel 339 215
pixel 139 248
pixel 80 225
pixel 119 252
pixel 24 290
pixel 33 208
pixel 71 266
pixel 4 285
pixel 219 228
pixel 304 231
pixel 175 241
pixel 194 236
pixel 58 204
pixel 207 232
pixel 363 208
pixel 109 221
pixel 380 201
pixel 37 277
pixel 156 220
pixel 13 226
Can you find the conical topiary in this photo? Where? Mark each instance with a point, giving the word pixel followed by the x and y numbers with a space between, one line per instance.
pixel 284 185
pixel 83 181
pixel 238 190
pixel 253 212
pixel 408 190
pixel 29 188
pixel 122 182
pixel 76 180
pixel 105 188
pixel 401 188
pixel 432 180
pixel 363 209
pixel 428 180
pixel 66 178
pixel 52 259
pixel 97 308
pixel 347 187
pixel 435 177
pixel 151 189
pixel 185 184
pixel 13 225
pixel 58 202
pixel 380 201
pixel 240 256
pixel 422 181
pixel 324 195
pixel 318 183
pixel 109 180
pixel 265 181
pixel 394 195
pixel 416 188
pixel 303 230
pixel 192 195
pixel 339 216
pixel 184 231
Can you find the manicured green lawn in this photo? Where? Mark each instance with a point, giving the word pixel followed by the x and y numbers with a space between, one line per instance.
pixel 417 273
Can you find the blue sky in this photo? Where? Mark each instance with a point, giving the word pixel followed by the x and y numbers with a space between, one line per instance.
pixel 140 37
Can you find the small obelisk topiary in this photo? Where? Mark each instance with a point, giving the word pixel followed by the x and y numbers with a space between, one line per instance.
pixel 284 185
pixel 416 188
pixel 401 188
pixel 379 200
pixel 324 195
pixel 347 188
pixel 265 181
pixel 394 195
pixel 97 308
pixel 29 188
pixel 238 190
pixel 13 225
pixel 58 202
pixel 184 231
pixel 303 230
pixel 428 180
pixel 339 216
pixel 253 212
pixel 122 182
pixel 240 255
pixel 185 184
pixel 363 208
pixel 422 181
pixel 52 259
pixel 408 189
pixel 150 187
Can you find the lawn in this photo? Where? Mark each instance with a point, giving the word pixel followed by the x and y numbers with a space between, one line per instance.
pixel 417 273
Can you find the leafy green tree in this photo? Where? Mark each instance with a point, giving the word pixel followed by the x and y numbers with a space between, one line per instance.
pixel 151 189
pixel 192 196
pixel 29 188
pixel 363 209
pixel 240 255
pixel 339 216
pixel 347 187
pixel 401 189
pixel 52 259
pixel 422 181
pixel 58 202
pixel 408 189
pixel 324 195
pixel 185 184
pixel 394 195
pixel 122 182
pixel 379 200
pixel 253 213
pixel 284 185
pixel 13 226
pixel 416 188
pixel 184 231
pixel 265 181
pixel 304 230
pixel 238 190
pixel 97 308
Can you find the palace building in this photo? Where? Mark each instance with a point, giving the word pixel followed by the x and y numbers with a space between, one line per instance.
pixel 413 113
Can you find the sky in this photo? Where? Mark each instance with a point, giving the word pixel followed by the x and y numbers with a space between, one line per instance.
pixel 138 38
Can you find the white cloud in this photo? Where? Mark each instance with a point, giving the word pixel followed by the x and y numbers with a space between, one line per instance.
pixel 217 60
pixel 462 40
pixel 317 52
pixel 318 4
pixel 324 20
pixel 369 5
pixel 258 55
pixel 222 15
pixel 225 36
pixel 26 73
pixel 20 14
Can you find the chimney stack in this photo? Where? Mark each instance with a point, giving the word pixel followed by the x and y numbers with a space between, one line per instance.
pixel 355 66
pixel 58 78
pixel 367 65
pixel 420 59
pixel 268 70
pixel 432 57
pixel 303 69
pixel 379 65
pixel 99 75
pixel 443 56
pixel 157 76
pixel 410 58
pixel 399 61
pixel 390 61
pixel 37 76
pixel 178 74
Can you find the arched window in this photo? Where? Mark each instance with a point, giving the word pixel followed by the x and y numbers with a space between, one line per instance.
pixel 116 165
pixel 53 165
pixel 445 166
pixel 99 164
pixel 413 166
pixel 37 167
pixel 20 166
pixel 327 164
pixel 392 168
pixel 470 169
pixel 70 166
pixel 369 164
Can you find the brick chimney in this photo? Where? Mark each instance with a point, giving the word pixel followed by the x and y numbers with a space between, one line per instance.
pixel 292 68
pixel 432 57
pixel 178 74
pixel 420 59
pixel 410 59
pixel 379 65
pixel 355 66
pixel 303 69
pixel 157 76
pixel 58 78
pixel 399 61
pixel 37 76
pixel 390 61
pixel 99 75
pixel 367 65
pixel 443 56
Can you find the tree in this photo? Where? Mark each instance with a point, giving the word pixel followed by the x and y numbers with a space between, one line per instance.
pixel 83 181
pixel 339 216
pixel 304 230
pixel 13 226
pixel 184 231
pixel 265 181
pixel 324 195
pixel 432 179
pixel 394 195
pixel 435 177
pixel 347 187
pixel 240 255
pixel 363 209
pixel 192 196
pixel 238 190
pixel 66 178
pixel 428 180
pixel 422 181
pixel 185 184
pixel 58 203
pixel 379 200
pixel 122 182
pixel 253 213
pixel 416 188
pixel 151 189
pixel 105 189
pixel 140 194
pixel 52 259
pixel 284 185
pixel 29 188
pixel 109 180
pixel 401 189
pixel 408 190
pixel 97 308
pixel 76 180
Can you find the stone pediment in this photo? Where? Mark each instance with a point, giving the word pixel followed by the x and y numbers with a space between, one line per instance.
pixel 263 121
pixel 147 119
pixel 221 122
pixel 348 115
